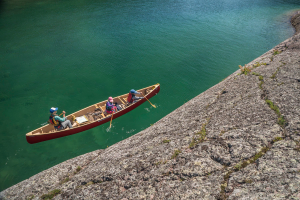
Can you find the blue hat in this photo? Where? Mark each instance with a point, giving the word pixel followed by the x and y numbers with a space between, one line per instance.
pixel 133 91
pixel 53 109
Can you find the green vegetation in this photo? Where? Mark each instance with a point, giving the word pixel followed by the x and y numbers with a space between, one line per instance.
pixel 273 107
pixel 281 121
pixel 238 166
pixel 51 194
pixel 158 163
pixel 277 139
pixel 193 143
pixel 89 183
pixel 260 78
pixel 259 154
pixel 202 135
pixel 297 147
pixel 257 64
pixel 78 169
pixel 244 164
pixel 275 73
pixel 260 84
pixel 176 153
pixel 222 132
pixel 245 70
pixel 161 162
pixel 248 181
pixel 166 141
pixel 256 74
pixel 276 51
pixel 65 180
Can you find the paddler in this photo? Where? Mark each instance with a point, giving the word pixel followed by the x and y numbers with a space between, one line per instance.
pixel 58 122
pixel 110 107
pixel 131 96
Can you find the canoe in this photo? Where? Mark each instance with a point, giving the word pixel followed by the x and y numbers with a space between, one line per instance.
pixel 94 115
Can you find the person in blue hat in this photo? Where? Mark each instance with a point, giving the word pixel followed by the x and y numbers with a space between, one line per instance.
pixel 58 122
pixel 131 96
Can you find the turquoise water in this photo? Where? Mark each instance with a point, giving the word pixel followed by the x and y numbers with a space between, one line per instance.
pixel 71 54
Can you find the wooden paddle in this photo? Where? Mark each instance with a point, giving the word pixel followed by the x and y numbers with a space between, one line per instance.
pixel 149 101
pixel 111 118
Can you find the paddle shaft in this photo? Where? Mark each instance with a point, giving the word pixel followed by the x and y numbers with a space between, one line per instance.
pixel 149 101
pixel 111 118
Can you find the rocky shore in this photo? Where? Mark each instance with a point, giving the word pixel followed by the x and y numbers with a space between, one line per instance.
pixel 239 139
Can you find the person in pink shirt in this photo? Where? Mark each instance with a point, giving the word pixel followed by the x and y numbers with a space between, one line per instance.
pixel 110 107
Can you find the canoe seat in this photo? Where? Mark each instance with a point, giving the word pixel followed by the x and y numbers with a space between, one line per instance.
pixel 147 91
pixel 126 103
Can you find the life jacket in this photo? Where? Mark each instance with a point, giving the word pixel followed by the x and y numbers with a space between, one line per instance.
pixel 52 121
pixel 129 98
pixel 108 106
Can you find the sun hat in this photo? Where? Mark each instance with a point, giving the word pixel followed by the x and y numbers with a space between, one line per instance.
pixel 110 99
pixel 53 109
pixel 133 91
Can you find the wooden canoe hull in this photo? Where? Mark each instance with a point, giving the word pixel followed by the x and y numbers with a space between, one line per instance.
pixel 43 137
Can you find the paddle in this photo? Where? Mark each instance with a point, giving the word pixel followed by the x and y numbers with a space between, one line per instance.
pixel 149 101
pixel 111 118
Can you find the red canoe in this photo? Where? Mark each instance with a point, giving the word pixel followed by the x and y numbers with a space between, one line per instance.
pixel 93 116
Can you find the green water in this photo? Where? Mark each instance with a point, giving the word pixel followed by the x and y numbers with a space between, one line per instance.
pixel 71 54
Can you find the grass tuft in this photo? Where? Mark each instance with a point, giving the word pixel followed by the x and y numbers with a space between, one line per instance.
pixel 166 141
pixel 65 180
pixel 202 135
pixel 276 51
pixel 238 166
pixel 248 181
pixel 51 194
pixel 193 143
pixel 275 73
pixel 245 70
pixel 281 121
pixel 256 74
pixel 78 169
pixel 257 64
pixel 176 153
pixel 277 139
pixel 273 107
